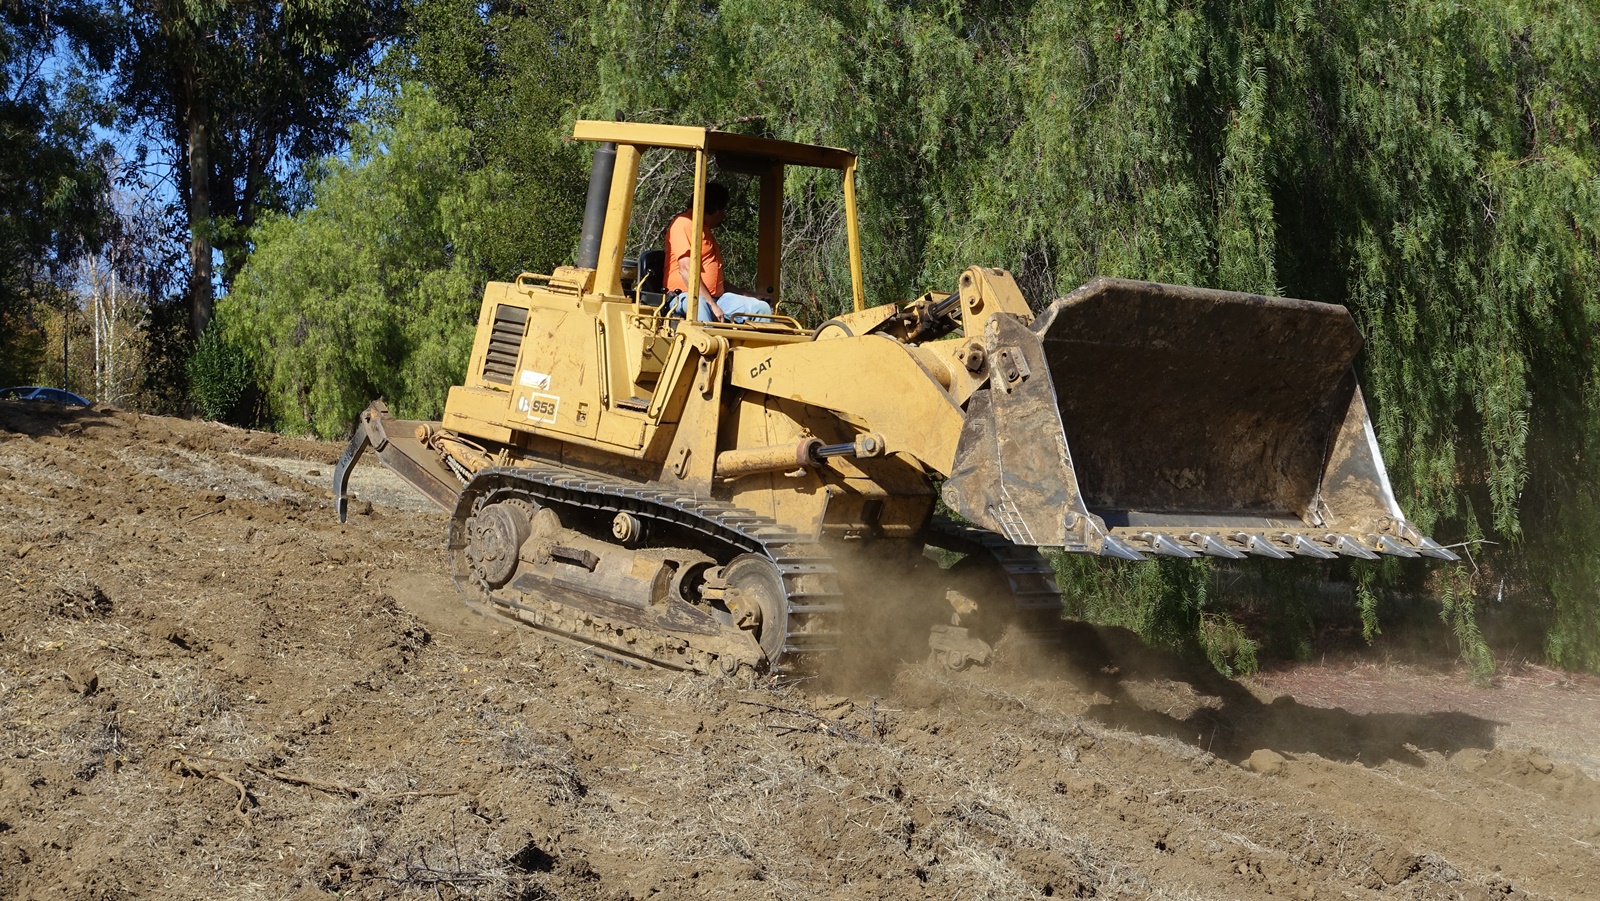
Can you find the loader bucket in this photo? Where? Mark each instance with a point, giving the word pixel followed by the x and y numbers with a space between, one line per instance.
pixel 1189 421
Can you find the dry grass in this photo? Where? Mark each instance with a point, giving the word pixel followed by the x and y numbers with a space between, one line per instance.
pixel 386 748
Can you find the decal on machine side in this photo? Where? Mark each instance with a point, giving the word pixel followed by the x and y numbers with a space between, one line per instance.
pixel 539 381
pixel 539 407
pixel 761 367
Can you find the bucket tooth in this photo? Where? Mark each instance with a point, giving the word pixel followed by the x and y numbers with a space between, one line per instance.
pixel 1261 546
pixel 1305 547
pixel 1348 546
pixel 1390 546
pixel 1430 548
pixel 1214 546
pixel 1166 545
pixel 1114 547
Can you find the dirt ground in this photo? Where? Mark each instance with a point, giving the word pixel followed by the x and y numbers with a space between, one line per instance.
pixel 209 688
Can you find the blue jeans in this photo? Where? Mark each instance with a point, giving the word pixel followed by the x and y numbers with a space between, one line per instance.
pixel 734 306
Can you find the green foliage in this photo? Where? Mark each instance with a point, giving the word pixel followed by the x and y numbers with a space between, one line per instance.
pixel 21 350
pixel 1562 552
pixel 1228 649
pixel 919 93
pixel 511 75
pixel 1573 640
pixel 1431 165
pixel 1458 602
pixel 1165 602
pixel 166 358
pixel 266 83
pixel 1288 627
pixel 219 376
pixel 238 95
pixel 373 290
pixel 52 168
pixel 1367 603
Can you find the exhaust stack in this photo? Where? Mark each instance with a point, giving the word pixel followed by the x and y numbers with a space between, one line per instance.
pixel 594 207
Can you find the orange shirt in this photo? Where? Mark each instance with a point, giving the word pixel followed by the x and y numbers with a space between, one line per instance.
pixel 678 249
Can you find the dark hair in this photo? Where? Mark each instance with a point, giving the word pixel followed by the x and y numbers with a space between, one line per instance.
pixel 716 197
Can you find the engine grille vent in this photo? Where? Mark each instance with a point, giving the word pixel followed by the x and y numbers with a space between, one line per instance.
pixel 505 343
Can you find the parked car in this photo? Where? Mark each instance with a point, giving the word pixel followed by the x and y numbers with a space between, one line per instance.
pixel 39 392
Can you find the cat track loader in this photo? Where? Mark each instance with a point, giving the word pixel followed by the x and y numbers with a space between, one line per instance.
pixel 704 496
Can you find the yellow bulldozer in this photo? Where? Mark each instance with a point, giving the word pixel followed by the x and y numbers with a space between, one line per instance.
pixel 695 494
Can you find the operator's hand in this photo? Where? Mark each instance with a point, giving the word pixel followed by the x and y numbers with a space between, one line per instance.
pixel 716 311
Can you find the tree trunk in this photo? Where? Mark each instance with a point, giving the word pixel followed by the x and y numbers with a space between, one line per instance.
pixel 199 128
pixel 99 305
pixel 113 363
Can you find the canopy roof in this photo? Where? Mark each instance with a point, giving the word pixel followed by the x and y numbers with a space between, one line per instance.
pixel 744 150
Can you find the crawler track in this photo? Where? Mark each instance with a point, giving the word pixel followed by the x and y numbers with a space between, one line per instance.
pixel 1023 572
pixel 671 519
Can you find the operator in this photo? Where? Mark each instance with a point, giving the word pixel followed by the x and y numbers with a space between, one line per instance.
pixel 715 303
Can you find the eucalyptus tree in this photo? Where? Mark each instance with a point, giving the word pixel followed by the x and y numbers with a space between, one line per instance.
pixel 460 174
pixel 372 289
pixel 239 94
pixel 53 174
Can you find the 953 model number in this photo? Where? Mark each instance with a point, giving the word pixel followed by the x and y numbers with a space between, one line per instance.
pixel 539 407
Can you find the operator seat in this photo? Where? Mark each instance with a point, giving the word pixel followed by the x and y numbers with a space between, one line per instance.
pixel 652 278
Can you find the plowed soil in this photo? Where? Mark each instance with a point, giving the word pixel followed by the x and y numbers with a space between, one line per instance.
pixel 209 688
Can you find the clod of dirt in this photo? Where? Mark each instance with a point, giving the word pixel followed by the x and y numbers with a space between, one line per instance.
pixel 1392 867
pixel 181 638
pixel 576 870
pixel 80 599
pixel 834 707
pixel 83 680
pixel 533 859
pixel 1266 762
